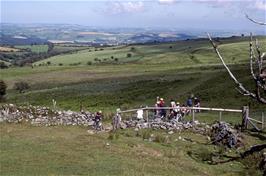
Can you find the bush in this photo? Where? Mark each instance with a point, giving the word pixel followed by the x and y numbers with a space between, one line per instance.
pixel 89 63
pixel 21 86
pixel 3 65
pixel 3 87
pixel 129 54
pixel 60 64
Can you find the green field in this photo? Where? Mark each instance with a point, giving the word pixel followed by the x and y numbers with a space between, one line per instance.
pixel 151 71
pixel 170 70
pixel 34 48
pixel 184 52
pixel 27 150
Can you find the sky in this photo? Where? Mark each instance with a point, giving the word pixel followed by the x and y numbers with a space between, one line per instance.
pixel 180 14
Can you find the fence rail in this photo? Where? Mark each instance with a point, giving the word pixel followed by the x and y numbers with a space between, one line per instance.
pixel 189 108
pixel 244 111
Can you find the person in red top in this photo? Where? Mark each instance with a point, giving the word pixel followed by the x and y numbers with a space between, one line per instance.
pixel 162 111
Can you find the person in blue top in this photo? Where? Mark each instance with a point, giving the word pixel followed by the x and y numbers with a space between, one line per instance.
pixel 189 102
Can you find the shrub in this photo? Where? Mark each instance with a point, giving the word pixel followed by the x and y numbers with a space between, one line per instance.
pixel 3 65
pixel 60 64
pixel 21 86
pixel 3 87
pixel 89 63
pixel 129 54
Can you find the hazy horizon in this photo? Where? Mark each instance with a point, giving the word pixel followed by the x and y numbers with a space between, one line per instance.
pixel 173 14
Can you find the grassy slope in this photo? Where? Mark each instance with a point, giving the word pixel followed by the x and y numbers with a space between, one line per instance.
pixel 29 150
pixel 160 70
pixel 179 52
pixel 152 70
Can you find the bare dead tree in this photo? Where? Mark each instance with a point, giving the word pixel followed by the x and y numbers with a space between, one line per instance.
pixel 254 21
pixel 258 75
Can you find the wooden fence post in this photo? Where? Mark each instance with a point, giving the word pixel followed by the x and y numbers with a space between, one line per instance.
pixel 220 116
pixel 193 115
pixel 262 121
pixel 147 114
pixel 245 116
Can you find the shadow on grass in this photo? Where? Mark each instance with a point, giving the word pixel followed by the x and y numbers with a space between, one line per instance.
pixel 260 135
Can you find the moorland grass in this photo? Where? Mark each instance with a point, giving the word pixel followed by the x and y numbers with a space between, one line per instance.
pixel 28 150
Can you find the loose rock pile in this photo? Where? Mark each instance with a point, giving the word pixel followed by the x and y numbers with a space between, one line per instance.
pixel 43 116
pixel 223 134
pixel 157 124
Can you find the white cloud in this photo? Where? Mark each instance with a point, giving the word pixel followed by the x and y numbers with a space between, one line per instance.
pixel 167 1
pixel 260 5
pixel 125 7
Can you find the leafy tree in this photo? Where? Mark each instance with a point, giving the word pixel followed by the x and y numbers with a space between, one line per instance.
pixel 129 54
pixel 3 87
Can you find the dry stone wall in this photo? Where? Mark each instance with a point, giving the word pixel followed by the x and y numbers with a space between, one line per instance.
pixel 43 116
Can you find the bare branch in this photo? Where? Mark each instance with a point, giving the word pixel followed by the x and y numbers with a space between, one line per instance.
pixel 258 94
pixel 240 86
pixel 259 55
pixel 251 55
pixel 259 61
pixel 260 23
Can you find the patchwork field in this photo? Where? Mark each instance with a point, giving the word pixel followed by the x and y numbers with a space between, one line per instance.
pixel 8 49
pixel 184 52
pixel 34 48
pixel 173 70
